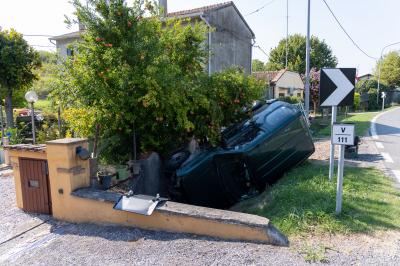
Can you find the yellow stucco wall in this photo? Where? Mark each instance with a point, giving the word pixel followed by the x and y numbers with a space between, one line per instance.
pixel 63 162
pixel 14 156
pixel 67 173
pixel 85 210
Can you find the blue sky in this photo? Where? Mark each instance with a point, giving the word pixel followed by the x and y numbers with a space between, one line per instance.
pixel 372 24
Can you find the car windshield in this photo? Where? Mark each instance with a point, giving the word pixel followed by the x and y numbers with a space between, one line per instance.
pixel 242 134
pixel 265 120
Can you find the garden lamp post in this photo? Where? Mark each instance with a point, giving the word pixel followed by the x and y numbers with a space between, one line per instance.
pixel 379 69
pixel 31 97
pixel 2 122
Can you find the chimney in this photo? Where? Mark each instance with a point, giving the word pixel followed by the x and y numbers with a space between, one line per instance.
pixel 81 26
pixel 163 4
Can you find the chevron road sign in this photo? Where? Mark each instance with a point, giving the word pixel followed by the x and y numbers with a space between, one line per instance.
pixel 336 87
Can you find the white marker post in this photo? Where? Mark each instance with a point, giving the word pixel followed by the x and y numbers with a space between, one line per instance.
pixel 383 100
pixel 332 149
pixel 342 134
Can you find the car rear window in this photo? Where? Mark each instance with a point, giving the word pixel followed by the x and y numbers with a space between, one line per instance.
pixel 278 117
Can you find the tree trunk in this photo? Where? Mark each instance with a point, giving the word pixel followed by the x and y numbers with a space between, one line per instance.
pixel 9 109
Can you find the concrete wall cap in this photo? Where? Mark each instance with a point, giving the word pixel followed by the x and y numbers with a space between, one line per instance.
pixel 66 141
pixel 176 208
pixel 26 147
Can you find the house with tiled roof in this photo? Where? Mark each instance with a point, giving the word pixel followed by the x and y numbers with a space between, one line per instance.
pixel 282 83
pixel 230 37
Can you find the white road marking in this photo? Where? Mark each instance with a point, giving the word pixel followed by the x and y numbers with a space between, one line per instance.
pixel 374 134
pixel 397 174
pixel 379 145
pixel 387 157
pixel 373 127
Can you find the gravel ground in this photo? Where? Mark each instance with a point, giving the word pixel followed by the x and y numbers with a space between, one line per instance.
pixel 368 155
pixel 53 242
pixel 12 219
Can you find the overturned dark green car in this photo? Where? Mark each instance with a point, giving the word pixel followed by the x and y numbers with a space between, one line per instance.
pixel 254 153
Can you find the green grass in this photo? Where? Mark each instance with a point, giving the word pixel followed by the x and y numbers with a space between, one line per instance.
pixel 303 202
pixel 362 122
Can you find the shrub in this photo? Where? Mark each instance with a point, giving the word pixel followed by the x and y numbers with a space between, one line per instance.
pixel 291 99
pixel 146 76
pixel 357 101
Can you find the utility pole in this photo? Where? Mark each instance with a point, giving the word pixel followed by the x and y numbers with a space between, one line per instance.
pixel 307 86
pixel 379 69
pixel 287 33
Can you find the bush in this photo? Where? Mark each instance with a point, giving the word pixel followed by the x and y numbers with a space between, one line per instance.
pixel 15 134
pixel 291 99
pixel 372 104
pixel 357 101
pixel 49 131
pixel 146 76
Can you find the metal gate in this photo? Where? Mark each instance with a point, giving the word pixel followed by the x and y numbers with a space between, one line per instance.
pixel 35 185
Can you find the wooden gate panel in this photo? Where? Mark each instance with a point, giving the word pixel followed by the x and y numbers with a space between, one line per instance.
pixel 35 186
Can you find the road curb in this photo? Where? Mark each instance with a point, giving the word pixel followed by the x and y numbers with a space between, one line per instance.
pixel 375 137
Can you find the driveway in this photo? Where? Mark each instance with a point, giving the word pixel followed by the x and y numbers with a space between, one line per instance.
pixel 385 130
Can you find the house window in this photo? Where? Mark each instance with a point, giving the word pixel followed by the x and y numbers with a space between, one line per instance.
pixel 281 95
pixel 70 52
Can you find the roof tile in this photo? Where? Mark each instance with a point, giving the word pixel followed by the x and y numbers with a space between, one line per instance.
pixel 199 10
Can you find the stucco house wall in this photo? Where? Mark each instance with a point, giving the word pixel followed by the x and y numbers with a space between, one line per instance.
pixel 231 42
pixel 62 46
pixel 283 83
pixel 230 37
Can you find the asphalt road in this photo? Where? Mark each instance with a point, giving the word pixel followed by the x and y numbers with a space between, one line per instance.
pixel 385 130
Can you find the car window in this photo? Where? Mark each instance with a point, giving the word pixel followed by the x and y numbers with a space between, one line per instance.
pixel 278 117
pixel 247 133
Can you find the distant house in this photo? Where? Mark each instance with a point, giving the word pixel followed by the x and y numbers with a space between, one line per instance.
pixel 230 37
pixel 282 83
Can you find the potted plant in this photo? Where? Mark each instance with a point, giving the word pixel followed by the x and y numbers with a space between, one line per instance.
pixel 105 176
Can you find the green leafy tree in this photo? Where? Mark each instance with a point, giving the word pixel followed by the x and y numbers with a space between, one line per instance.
pixel 18 61
pixel 321 54
pixel 146 75
pixel 364 86
pixel 390 69
pixel 258 65
pixel 45 73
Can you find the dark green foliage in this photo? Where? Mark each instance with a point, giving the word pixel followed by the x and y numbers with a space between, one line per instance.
pixel 141 74
pixel 258 65
pixel 45 74
pixel 370 86
pixel 365 85
pixel 291 99
pixel 17 63
pixel 321 54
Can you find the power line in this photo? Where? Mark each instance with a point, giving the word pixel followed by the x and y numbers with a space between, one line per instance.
pixel 261 8
pixel 348 35
pixel 37 35
pixel 261 49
